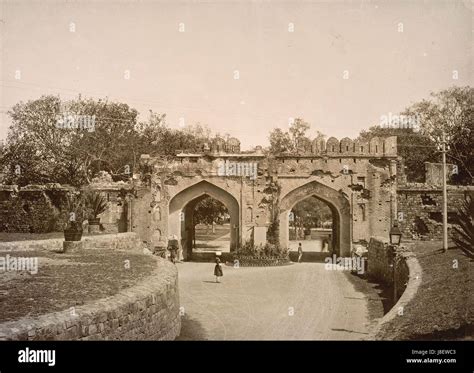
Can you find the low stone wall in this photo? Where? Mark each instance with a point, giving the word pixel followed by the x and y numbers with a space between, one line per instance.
pixel 379 264
pixel 125 241
pixel 414 278
pixel 408 275
pixel 146 311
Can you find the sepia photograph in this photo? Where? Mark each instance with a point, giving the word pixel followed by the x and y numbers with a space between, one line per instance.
pixel 236 171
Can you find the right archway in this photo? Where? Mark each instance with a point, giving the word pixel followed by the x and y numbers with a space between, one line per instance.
pixel 337 202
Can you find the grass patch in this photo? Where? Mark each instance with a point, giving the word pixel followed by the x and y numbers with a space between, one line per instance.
pixel 68 280
pixel 442 308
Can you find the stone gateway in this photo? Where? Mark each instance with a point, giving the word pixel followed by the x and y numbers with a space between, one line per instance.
pixel 356 180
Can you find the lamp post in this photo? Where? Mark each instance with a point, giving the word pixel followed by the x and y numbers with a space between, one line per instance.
pixel 395 238
pixel 395 235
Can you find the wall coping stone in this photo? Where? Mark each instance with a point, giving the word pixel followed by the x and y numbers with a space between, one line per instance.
pixel 414 282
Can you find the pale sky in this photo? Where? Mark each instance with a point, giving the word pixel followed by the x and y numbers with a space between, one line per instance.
pixel 282 74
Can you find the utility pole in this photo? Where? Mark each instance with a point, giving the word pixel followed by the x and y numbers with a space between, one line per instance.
pixel 444 147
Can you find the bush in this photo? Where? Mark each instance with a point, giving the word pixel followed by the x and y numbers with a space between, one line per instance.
pixel 267 251
pixel 96 204
pixel 463 234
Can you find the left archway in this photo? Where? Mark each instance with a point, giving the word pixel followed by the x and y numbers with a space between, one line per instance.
pixel 181 208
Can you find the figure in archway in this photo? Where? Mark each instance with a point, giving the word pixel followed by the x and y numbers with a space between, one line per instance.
pixel 300 252
pixel 218 269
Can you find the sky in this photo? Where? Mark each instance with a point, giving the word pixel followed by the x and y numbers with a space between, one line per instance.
pixel 241 67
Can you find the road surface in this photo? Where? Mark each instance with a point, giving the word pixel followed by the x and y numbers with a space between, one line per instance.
pixel 295 302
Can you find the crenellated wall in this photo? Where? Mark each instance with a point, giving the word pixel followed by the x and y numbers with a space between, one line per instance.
pixel 375 147
pixel 356 180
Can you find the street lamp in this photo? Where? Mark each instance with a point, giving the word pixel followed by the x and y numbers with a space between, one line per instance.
pixel 395 238
pixel 395 235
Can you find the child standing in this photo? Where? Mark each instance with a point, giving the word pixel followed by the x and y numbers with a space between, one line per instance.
pixel 218 270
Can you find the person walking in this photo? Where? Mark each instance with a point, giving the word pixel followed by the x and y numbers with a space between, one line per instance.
pixel 300 252
pixel 218 269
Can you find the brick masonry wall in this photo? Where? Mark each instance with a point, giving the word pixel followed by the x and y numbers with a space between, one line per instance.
pixel 146 311
pixel 380 265
pixel 379 261
pixel 420 209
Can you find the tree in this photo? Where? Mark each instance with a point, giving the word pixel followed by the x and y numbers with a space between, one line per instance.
pixel 298 130
pixel 35 150
pixel 280 142
pixel 287 142
pixel 158 139
pixel 112 145
pixel 209 211
pixel 309 213
pixel 42 148
pixel 450 111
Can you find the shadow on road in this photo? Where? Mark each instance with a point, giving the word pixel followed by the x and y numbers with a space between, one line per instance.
pixel 191 330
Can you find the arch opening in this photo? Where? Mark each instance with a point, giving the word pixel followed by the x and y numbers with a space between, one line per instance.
pixel 337 203
pixel 312 222
pixel 184 218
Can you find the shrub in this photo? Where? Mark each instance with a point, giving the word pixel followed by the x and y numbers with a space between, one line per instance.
pixel 463 233
pixel 267 251
pixel 96 204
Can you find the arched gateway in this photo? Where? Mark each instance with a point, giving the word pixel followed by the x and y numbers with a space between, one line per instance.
pixel 337 202
pixel 355 179
pixel 181 207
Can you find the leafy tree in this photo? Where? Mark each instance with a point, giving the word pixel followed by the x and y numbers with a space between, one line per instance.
pixel 298 130
pixel 43 150
pixel 287 142
pixel 158 139
pixel 35 150
pixel 280 142
pixel 450 111
pixel 111 146
pixel 39 149
pixel 310 213
pixel 208 211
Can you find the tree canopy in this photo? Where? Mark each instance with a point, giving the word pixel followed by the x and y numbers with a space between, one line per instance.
pixel 450 111
pixel 45 144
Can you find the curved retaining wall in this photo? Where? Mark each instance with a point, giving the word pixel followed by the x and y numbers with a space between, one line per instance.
pixel 409 272
pixel 146 311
